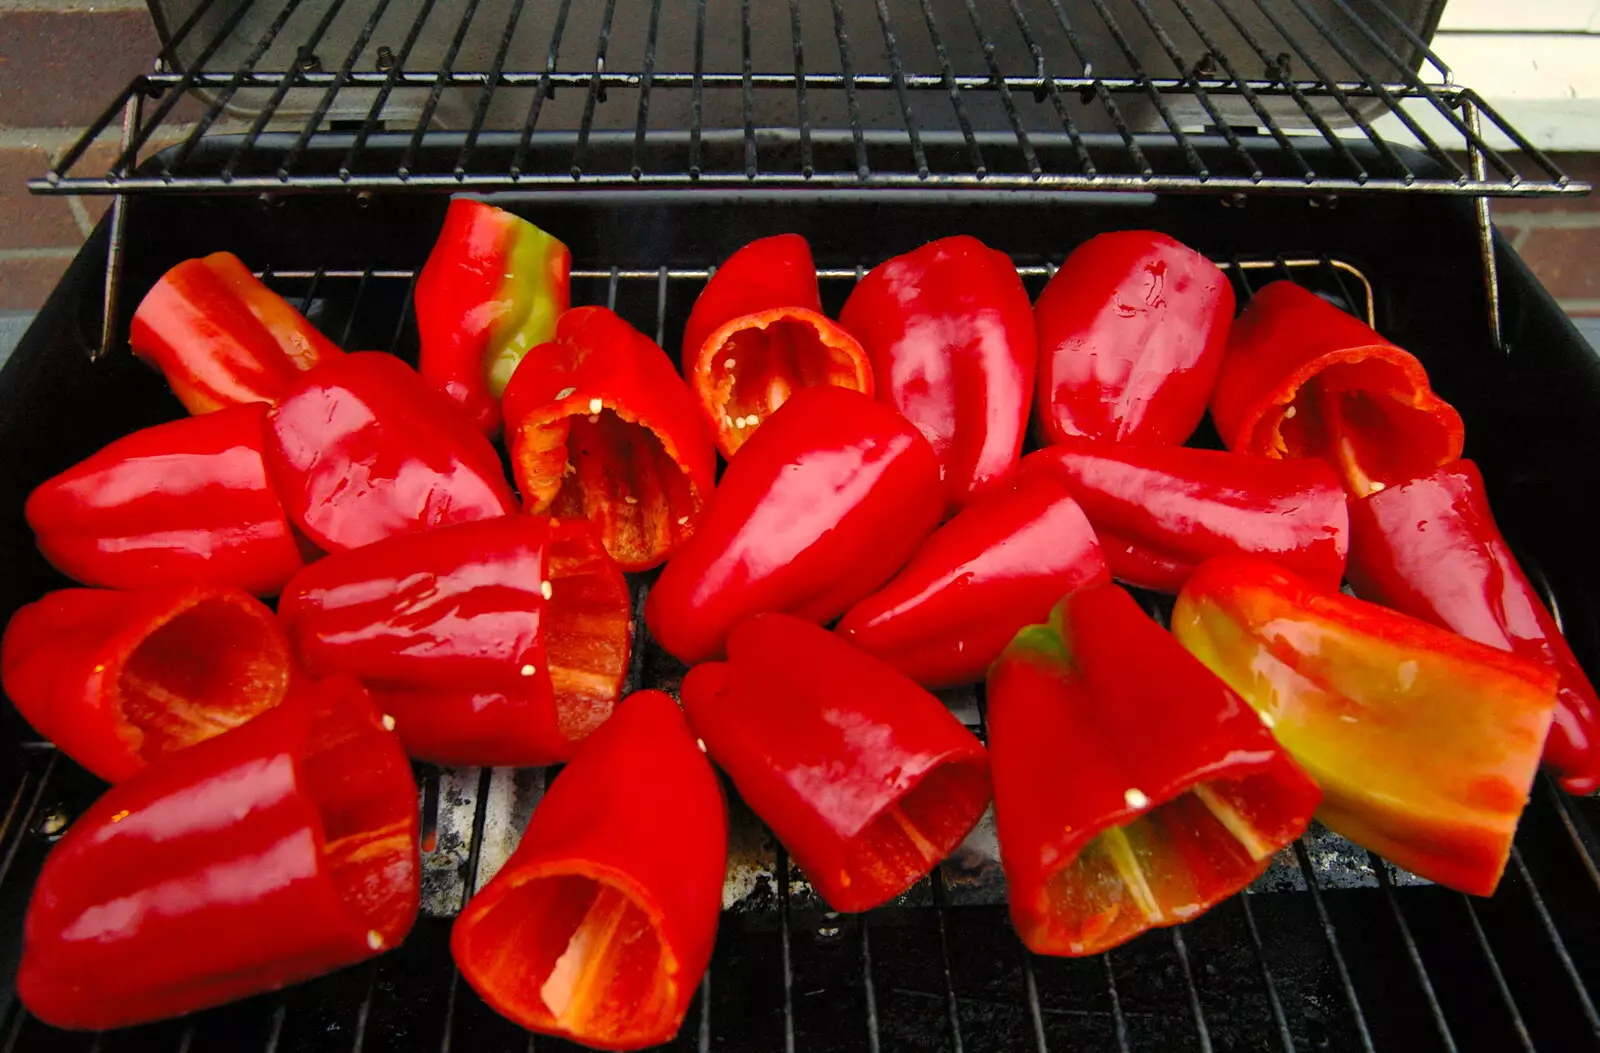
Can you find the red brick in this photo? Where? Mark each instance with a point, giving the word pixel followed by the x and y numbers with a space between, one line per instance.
pixel 1566 261
pixel 29 221
pixel 26 284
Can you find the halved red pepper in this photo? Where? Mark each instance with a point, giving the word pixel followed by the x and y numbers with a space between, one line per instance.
pixel 186 502
pixel 491 290
pixel 865 777
pixel 1302 378
pixel 822 506
pixel 280 851
pixel 119 680
pixel 601 426
pixel 951 337
pixel 500 642
pixel 1425 743
pixel 1161 511
pixel 361 449
pixel 221 337
pixel 1131 333
pixel 999 565
pixel 1133 789
pixel 600 926
pixel 757 334
pixel 1431 549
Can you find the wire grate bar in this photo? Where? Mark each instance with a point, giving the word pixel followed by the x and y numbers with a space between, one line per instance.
pixel 869 988
pixel 375 112
pixel 1518 1025
pixel 802 116
pixel 642 124
pixel 1274 1001
pixel 326 101
pixel 697 106
pixel 1413 952
pixel 544 90
pixel 1029 157
pixel 429 107
pixel 597 89
pixel 1557 944
pixel 852 104
pixel 952 1005
pixel 899 75
pixel 747 93
pixel 1154 94
pixel 1563 809
pixel 949 74
pixel 1118 1020
pixel 1202 1032
pixel 786 943
pixel 481 111
pixel 1345 983
pixel 1086 162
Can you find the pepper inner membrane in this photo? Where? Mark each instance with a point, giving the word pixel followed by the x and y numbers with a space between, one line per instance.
pixel 757 368
pixel 911 836
pixel 207 669
pixel 588 630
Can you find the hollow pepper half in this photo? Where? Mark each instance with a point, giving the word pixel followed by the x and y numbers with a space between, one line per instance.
pixel 282 850
pixel 999 565
pixel 951 337
pixel 601 426
pixel 821 507
pixel 503 642
pixel 1425 743
pixel 1302 378
pixel 221 337
pixel 491 290
pixel 361 449
pixel 1133 789
pixel 119 680
pixel 1131 333
pixel 1430 548
pixel 186 502
pixel 601 924
pixel 865 777
pixel 1161 511
pixel 757 334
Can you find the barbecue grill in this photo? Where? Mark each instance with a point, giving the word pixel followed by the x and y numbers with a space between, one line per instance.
pixel 1317 140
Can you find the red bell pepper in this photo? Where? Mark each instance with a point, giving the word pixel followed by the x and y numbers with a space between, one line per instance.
pixel 757 334
pixel 1430 548
pixel 362 449
pixel 119 680
pixel 999 565
pixel 1131 332
pixel 601 426
pixel 951 338
pixel 600 926
pixel 502 642
pixel 491 290
pixel 221 337
pixel 1425 743
pixel 280 851
pixel 865 777
pixel 1161 511
pixel 1304 379
pixel 1133 789
pixel 185 502
pixel 820 509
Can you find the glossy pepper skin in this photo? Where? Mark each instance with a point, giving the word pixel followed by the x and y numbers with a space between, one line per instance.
pixel 600 426
pixel 1430 548
pixel 999 565
pixel 1161 511
pixel 280 851
pixel 819 509
pixel 596 929
pixel 1425 743
pixel 120 680
pixel 491 290
pixel 951 337
pixel 865 777
pixel 503 642
pixel 1302 378
pixel 362 449
pixel 757 334
pixel 1131 333
pixel 1133 789
pixel 186 502
pixel 221 337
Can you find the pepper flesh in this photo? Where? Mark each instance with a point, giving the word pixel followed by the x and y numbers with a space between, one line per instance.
pixel 490 292
pixel 600 925
pixel 282 850
pixel 1425 743
pixel 1133 789
pixel 120 680
pixel 822 506
pixel 503 642
pixel 757 334
pixel 1430 548
pixel 601 427
pixel 865 777
pixel 951 337
pixel 999 565
pixel 1302 378
pixel 1131 334
pixel 223 338
pixel 1161 511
